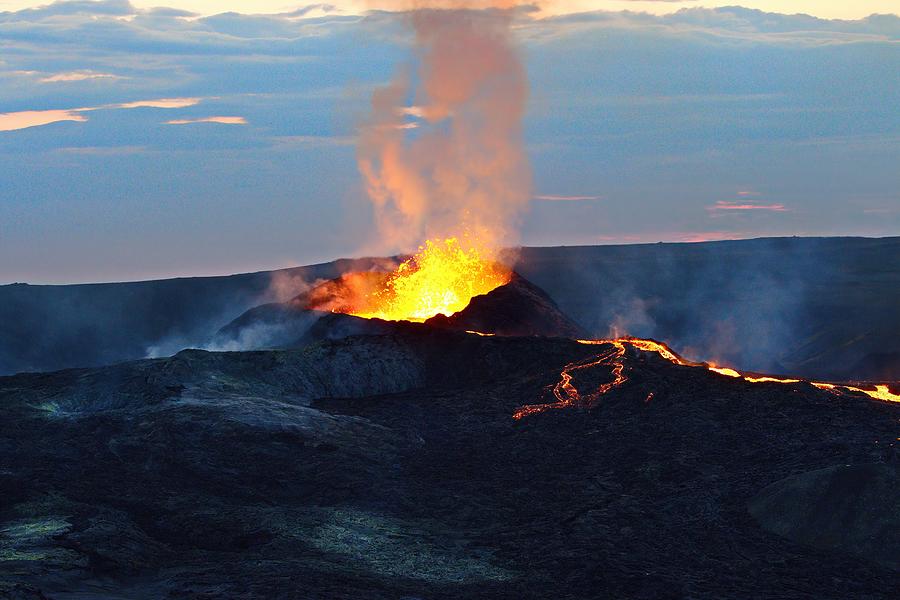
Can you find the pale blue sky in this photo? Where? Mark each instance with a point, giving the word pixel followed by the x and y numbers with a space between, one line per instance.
pixel 701 124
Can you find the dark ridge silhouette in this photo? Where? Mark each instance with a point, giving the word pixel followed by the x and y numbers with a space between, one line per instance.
pixel 821 308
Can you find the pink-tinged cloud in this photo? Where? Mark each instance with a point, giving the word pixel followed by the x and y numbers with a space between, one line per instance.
pixel 35 118
pixel 747 193
pixel 161 103
pixel 723 205
pixel 222 120
pixel 78 76
pixel 559 198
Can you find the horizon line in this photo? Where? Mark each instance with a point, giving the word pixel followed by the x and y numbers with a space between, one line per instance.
pixel 400 256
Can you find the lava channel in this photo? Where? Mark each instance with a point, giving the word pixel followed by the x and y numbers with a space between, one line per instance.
pixel 568 396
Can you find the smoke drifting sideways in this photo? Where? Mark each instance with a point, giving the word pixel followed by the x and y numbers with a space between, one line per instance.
pixel 294 300
pixel 204 333
pixel 442 152
pixel 783 306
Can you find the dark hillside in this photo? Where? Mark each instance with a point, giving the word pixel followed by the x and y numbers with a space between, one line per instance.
pixel 48 327
pixel 385 467
pixel 815 307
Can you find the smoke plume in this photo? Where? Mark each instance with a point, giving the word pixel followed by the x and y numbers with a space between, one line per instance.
pixel 441 153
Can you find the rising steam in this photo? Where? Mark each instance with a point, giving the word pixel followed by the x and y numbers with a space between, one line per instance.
pixel 442 154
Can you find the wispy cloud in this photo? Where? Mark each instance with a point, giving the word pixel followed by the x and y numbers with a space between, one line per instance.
pixel 102 150
pixel 34 118
pixel 560 198
pixel 725 205
pixel 77 76
pixel 222 120
pixel 161 103
pixel 310 10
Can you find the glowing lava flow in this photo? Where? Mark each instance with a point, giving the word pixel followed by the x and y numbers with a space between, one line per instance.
pixel 881 392
pixel 568 396
pixel 765 379
pixel 724 371
pixel 441 278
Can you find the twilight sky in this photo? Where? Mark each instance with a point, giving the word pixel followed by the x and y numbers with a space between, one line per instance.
pixel 140 142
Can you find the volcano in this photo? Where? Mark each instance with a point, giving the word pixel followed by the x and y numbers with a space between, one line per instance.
pixel 517 308
pixel 381 459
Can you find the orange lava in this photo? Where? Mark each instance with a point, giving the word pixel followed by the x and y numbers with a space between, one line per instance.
pixel 441 278
pixel 724 371
pixel 654 346
pixel 766 379
pixel 881 391
pixel 568 396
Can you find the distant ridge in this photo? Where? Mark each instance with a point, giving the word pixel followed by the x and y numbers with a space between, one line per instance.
pixel 819 307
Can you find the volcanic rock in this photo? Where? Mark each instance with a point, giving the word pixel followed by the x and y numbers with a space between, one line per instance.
pixel 389 466
pixel 853 508
pixel 517 308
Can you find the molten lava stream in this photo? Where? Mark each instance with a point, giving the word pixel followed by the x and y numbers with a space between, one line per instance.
pixel 568 396
pixel 881 392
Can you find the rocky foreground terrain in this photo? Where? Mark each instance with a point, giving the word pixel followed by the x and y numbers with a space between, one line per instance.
pixel 389 466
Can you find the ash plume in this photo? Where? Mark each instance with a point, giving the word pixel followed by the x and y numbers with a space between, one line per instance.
pixel 442 152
